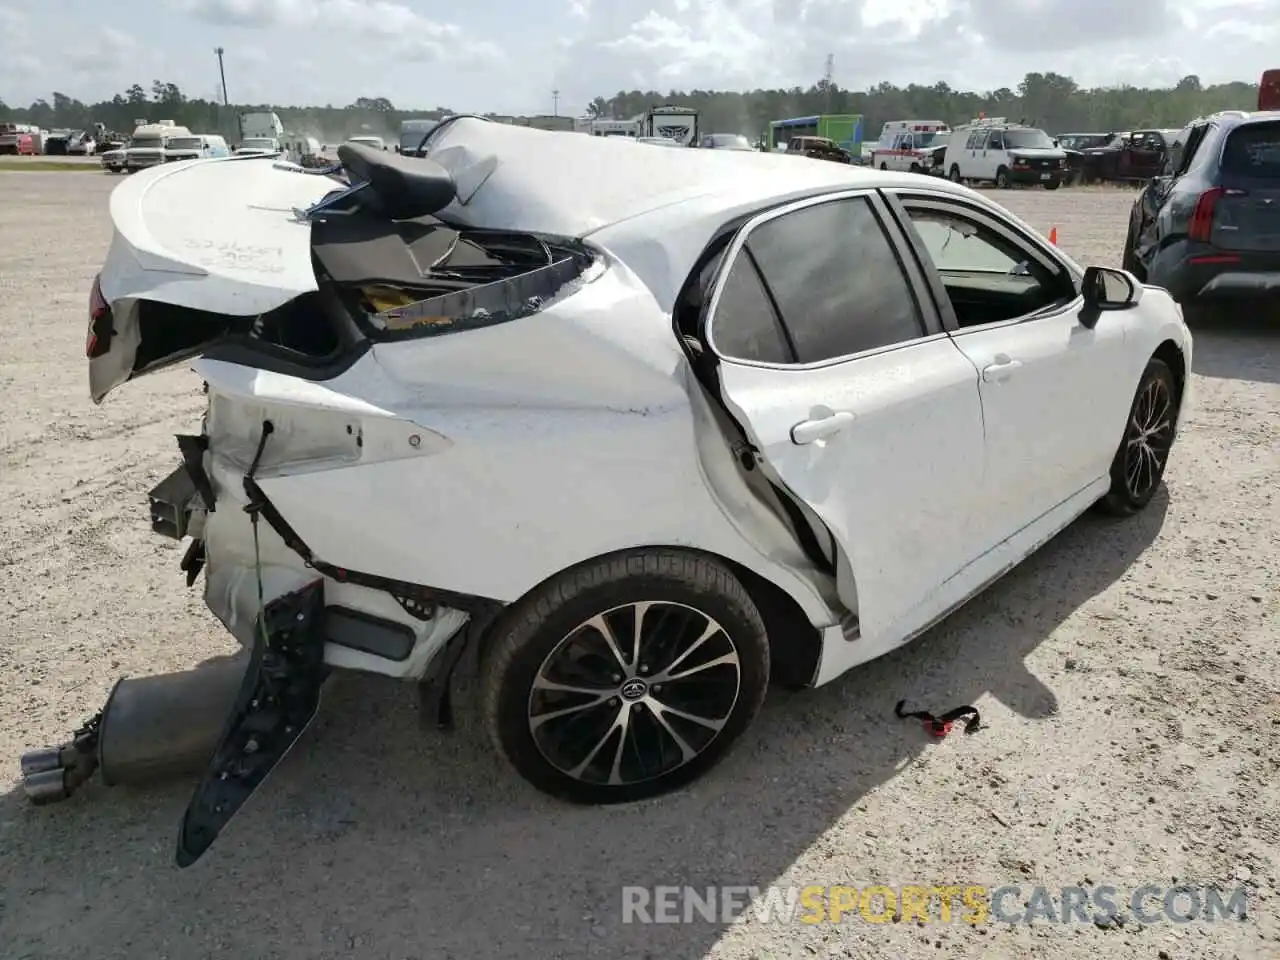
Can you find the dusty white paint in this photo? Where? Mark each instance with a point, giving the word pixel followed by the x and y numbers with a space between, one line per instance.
pixel 557 438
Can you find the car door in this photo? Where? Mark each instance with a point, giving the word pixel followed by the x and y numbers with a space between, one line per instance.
pixel 855 399
pixel 1142 157
pixel 1055 394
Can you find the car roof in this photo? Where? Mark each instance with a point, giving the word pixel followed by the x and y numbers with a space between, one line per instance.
pixel 571 184
pixel 1231 121
pixel 656 211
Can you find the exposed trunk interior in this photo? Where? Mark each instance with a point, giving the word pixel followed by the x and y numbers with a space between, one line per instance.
pixel 423 276
pixel 378 280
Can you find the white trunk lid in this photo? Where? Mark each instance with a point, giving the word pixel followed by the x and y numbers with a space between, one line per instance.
pixel 218 236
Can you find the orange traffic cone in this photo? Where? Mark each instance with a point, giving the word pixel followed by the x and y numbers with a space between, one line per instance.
pixel 1053 236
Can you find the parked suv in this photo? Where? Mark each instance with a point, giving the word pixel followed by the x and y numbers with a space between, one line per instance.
pixel 1075 145
pixel 1209 228
pixel 1134 156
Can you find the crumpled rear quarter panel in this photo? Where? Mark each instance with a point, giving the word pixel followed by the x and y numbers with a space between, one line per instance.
pixel 546 441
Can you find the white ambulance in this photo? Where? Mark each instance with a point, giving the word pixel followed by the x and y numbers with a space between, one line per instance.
pixel 909 144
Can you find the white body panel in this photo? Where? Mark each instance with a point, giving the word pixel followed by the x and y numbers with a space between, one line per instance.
pixel 1046 437
pixel 916 408
pixel 180 239
pixel 567 489
pixel 486 461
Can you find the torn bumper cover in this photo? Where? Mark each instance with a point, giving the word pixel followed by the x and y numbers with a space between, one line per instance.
pixel 237 720
pixel 178 723
pixel 277 701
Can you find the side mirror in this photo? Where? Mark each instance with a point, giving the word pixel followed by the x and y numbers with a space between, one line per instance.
pixel 1106 289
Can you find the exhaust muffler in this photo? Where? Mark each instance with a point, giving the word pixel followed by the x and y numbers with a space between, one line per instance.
pixel 151 729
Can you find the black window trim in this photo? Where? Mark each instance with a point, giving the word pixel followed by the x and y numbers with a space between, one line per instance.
pixel 926 308
pixel 1042 250
pixel 1228 132
pixel 1191 149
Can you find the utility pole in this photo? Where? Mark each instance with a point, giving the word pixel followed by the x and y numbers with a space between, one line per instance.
pixel 827 74
pixel 222 73
pixel 555 103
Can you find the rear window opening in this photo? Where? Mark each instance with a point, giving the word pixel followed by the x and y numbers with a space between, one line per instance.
pixel 1253 150
pixel 379 281
pixel 419 278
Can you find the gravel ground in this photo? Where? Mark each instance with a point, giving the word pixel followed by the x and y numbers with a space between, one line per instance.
pixel 1126 674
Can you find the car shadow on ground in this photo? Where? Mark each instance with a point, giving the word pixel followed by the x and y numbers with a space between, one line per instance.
pixel 375 840
pixel 1236 343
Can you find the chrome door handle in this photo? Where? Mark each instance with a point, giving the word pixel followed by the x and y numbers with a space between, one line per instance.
pixel 1000 368
pixel 807 431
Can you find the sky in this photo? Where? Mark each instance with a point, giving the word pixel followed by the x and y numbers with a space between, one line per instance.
pixel 508 56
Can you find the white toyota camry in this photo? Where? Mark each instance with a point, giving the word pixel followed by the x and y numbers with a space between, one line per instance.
pixel 640 429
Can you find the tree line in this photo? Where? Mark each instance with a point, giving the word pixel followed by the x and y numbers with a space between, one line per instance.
pixel 1049 100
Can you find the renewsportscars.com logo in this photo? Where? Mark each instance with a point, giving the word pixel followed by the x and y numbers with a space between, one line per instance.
pixel 972 904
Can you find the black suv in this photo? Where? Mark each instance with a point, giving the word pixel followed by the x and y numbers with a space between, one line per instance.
pixel 1208 228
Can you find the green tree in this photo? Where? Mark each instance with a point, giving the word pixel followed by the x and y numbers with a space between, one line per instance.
pixel 1050 100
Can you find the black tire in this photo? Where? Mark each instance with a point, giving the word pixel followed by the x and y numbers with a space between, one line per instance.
pixel 883 165
pixel 1053 185
pixel 544 631
pixel 1129 257
pixel 1002 179
pixel 954 175
pixel 1149 432
pixel 915 168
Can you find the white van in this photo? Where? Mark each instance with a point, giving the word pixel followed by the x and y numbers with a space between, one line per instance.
pixel 196 146
pixel 1004 153
pixel 147 147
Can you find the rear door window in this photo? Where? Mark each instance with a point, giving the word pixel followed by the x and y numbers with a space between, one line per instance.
pixel 836 279
pixel 1253 150
pixel 747 326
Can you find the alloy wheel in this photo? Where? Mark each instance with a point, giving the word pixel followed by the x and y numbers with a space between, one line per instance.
pixel 1148 439
pixel 634 693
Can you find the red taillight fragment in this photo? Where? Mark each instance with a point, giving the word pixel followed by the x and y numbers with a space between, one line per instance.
pixel 1201 225
pixel 98 310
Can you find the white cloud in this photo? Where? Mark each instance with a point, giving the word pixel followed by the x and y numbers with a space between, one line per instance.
pixel 373 19
pixel 17 58
pixel 507 56
pixel 971 44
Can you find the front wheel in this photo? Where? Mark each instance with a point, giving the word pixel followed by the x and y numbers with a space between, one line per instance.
pixel 884 166
pixel 954 175
pixel 626 678
pixel 1139 464
pixel 1002 179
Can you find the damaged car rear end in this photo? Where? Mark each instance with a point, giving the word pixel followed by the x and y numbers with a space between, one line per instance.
pixel 443 417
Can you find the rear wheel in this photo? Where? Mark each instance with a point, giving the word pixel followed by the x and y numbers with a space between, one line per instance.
pixel 1140 462
pixel 626 678
pixel 884 166
pixel 1053 185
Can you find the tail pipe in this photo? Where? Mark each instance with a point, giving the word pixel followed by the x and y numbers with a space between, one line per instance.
pixel 151 729
pixel 234 720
